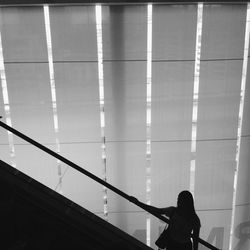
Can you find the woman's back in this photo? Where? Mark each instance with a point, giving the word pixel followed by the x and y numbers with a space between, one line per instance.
pixel 181 227
pixel 183 222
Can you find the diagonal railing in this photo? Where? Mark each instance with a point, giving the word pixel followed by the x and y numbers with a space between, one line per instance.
pixel 95 178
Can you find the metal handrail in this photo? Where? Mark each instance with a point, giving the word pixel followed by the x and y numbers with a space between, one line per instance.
pixel 95 178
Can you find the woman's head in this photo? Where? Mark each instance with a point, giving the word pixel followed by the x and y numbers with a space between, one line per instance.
pixel 185 202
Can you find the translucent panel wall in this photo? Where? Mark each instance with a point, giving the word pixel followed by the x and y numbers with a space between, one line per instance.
pixel 242 215
pixel 219 96
pixel 124 48
pixel 174 33
pixel 151 141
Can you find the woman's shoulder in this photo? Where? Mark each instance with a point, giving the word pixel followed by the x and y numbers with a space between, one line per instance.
pixel 169 211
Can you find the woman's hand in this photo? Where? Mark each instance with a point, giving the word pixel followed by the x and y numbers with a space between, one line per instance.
pixel 133 199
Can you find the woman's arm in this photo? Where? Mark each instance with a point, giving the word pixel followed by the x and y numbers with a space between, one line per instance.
pixel 152 209
pixel 196 236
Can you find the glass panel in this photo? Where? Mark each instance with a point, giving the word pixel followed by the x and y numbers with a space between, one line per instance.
pixel 246 114
pixel 124 42
pixel 30 100
pixel 170 161
pixel 242 214
pixel 243 195
pixel 37 164
pixel 215 227
pixel 214 182
pixel 172 100
pixel 5 150
pixel 219 98
pixel 174 30
pixel 73 33
pixel 78 187
pixel 125 32
pixel 125 100
pixel 78 102
pixel 241 227
pixel 3 132
pixel 126 171
pixel 131 222
pixel 23 34
pixel 74 48
pixel 214 174
pixel 223 31
pixel 170 175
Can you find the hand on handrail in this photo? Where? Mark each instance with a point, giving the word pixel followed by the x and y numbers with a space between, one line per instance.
pixel 133 199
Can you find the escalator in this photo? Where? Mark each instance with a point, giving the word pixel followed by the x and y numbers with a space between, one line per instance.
pixel 35 217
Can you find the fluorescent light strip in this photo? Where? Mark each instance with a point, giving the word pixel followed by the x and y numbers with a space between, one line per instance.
pixel 240 119
pixel 98 11
pixel 53 91
pixel 148 117
pixel 196 96
pixel 6 105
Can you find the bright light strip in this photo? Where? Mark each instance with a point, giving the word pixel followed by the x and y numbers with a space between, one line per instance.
pixel 148 117
pixel 196 96
pixel 148 223
pixel 98 12
pixel 53 90
pixel 6 104
pixel 240 119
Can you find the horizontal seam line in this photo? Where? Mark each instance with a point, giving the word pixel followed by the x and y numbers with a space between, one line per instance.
pixel 124 141
pixel 123 60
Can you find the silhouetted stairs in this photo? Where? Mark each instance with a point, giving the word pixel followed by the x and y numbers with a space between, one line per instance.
pixel 34 217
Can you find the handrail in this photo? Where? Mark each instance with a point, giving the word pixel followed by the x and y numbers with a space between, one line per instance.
pixel 94 177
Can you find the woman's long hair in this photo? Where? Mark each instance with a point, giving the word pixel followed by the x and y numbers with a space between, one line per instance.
pixel 185 204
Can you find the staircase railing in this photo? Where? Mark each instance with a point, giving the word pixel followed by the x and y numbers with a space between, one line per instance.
pixel 94 177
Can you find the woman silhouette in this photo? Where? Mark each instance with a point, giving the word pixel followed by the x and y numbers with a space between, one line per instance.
pixel 183 222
